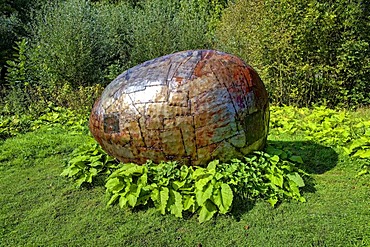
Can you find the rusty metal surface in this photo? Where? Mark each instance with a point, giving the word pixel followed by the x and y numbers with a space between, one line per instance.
pixel 191 106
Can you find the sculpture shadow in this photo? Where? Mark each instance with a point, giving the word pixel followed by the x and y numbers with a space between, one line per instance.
pixel 317 159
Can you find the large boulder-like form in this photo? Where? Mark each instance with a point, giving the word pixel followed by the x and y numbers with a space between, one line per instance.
pixel 192 106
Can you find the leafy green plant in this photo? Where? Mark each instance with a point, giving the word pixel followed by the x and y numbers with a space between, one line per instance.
pixel 61 117
pixel 13 125
pixel 292 46
pixel 340 129
pixel 88 162
pixel 175 189
pixel 320 124
pixel 51 117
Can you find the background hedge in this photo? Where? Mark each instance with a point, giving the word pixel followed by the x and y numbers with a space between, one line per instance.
pixel 63 53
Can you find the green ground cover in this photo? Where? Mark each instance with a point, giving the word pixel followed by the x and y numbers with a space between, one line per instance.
pixel 38 207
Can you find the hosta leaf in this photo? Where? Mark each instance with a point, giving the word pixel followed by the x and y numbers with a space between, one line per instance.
pixel 134 170
pixel 204 194
pixel 81 158
pixel 184 171
pixel 122 201
pixel 65 172
pixel 296 178
pixel 272 200
pixel 175 203
pixel 297 159
pixel 208 209
pixel 274 159
pixel 154 195
pixel 199 184
pixel 200 173
pixel 363 154
pixel 114 185
pixel 358 143
pixel 133 195
pixel 212 166
pixel 226 198
pixel 276 179
pixel 143 180
pixel 294 188
pixel 131 199
pixel 88 178
pixel 80 180
pixel 189 203
pixel 96 164
pixel 93 171
pixel 178 184
pixel 163 196
pixel 223 198
pixel 113 199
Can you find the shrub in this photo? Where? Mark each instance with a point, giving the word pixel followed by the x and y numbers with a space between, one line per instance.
pixel 307 53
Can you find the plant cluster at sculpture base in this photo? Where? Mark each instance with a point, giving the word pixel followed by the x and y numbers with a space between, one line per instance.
pixel 175 189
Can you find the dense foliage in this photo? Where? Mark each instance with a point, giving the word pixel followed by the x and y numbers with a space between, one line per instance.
pixel 344 130
pixel 306 52
pixel 76 46
pixel 271 175
pixel 314 52
pixel 172 188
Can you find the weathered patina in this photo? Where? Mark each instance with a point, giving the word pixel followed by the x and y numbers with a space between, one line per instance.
pixel 191 106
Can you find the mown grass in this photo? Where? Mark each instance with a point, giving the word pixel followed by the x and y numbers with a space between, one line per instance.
pixel 40 208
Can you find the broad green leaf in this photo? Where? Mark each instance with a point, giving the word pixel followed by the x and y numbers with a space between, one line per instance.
pixel 274 159
pixel 207 211
pixel 122 201
pixel 297 159
pixel 113 199
pixel 65 172
pixel 363 154
pixel 163 196
pixel 154 195
pixel 93 171
pixel 114 185
pixel 178 184
pixel 175 203
pixel 226 198
pixel 131 199
pixel 223 197
pixel 143 180
pixel 358 143
pixel 88 178
pixel 96 163
pixel 134 170
pixel 363 172
pixel 296 178
pixel 204 194
pixel 201 183
pixel 189 203
pixel 212 166
pixel 184 171
pixel 80 180
pixel 133 194
pixel 200 172
pixel 78 159
pixel 218 176
pixel 294 188
pixel 272 200
pixel 276 179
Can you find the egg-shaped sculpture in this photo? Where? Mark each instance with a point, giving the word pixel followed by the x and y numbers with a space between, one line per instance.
pixel 191 106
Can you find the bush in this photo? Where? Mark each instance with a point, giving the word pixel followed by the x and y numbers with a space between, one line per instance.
pixel 307 53
pixel 162 27
pixel 76 45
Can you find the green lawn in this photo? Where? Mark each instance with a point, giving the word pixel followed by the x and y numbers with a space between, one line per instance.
pixel 40 208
